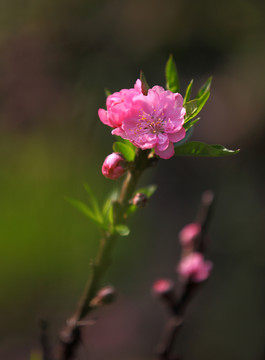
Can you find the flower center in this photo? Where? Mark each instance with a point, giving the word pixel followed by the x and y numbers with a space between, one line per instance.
pixel 151 123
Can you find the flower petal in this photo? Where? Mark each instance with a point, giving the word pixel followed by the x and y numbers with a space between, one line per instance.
pixel 177 136
pixel 166 154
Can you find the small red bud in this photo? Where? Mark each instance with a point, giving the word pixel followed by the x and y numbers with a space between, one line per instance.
pixel 139 200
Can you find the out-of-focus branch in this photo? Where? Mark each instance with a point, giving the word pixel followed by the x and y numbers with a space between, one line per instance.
pixel 44 340
pixel 176 299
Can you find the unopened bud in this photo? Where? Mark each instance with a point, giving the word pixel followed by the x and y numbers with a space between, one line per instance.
pixel 114 166
pixel 163 287
pixel 106 295
pixel 139 200
pixel 189 233
pixel 193 267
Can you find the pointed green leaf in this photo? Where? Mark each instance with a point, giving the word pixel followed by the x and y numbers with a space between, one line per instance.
pixel 188 125
pixel 93 201
pixel 125 150
pixel 196 148
pixel 205 87
pixel 107 92
pixel 122 230
pixel 193 107
pixel 188 92
pixel 172 78
pixel 145 86
pixel 83 208
pixel 147 190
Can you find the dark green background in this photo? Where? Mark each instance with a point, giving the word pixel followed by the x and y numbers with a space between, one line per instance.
pixel 56 58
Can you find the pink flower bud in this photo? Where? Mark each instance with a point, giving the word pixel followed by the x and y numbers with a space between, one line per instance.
pixel 194 267
pixel 113 166
pixel 163 287
pixel 189 233
pixel 106 295
pixel 139 200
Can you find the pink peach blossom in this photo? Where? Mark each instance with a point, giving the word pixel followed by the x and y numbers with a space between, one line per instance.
pixel 194 267
pixel 189 233
pixel 113 166
pixel 149 121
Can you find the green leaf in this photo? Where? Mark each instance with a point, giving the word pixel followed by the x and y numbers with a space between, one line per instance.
pixel 147 190
pixel 122 230
pixel 172 78
pixel 145 86
pixel 126 142
pixel 107 92
pixel 188 92
pixel 93 202
pixel 205 87
pixel 83 208
pixel 127 151
pixel 196 148
pixel 188 125
pixel 193 107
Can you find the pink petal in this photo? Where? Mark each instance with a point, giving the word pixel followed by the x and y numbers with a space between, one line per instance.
pixel 162 143
pixel 119 132
pixel 103 115
pixel 166 154
pixel 175 137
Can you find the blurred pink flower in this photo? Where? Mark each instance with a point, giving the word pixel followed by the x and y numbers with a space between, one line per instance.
pixel 194 267
pixel 113 166
pixel 162 286
pixel 149 121
pixel 189 233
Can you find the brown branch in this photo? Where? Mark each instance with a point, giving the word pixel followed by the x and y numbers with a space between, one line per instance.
pixel 179 302
pixel 70 335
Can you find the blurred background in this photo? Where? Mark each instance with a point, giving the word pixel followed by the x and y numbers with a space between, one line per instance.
pixel 56 58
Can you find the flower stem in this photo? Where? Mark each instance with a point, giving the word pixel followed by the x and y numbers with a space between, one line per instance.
pixel 70 335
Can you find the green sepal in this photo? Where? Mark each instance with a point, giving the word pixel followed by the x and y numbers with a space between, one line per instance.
pixel 172 78
pixel 122 230
pixel 196 148
pixel 126 150
pixel 145 85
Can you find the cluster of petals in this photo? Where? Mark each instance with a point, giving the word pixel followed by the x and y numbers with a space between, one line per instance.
pixel 189 233
pixel 149 121
pixel 113 166
pixel 194 267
